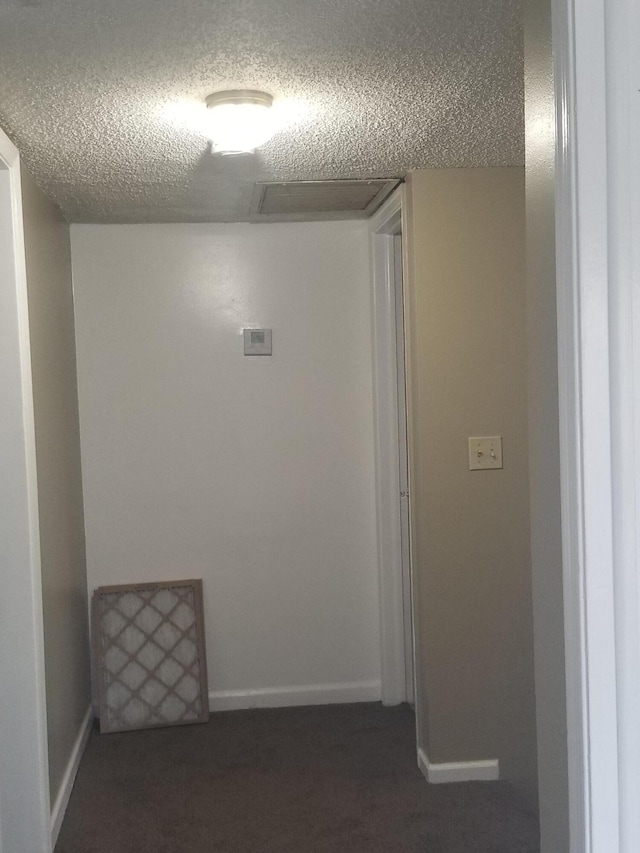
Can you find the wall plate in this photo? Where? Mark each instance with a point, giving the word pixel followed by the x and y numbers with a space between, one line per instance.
pixel 257 341
pixel 485 452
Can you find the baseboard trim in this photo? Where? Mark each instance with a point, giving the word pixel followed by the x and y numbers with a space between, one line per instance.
pixel 62 800
pixel 284 697
pixel 458 771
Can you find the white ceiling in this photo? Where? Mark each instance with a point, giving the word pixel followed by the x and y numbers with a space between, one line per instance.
pixel 105 98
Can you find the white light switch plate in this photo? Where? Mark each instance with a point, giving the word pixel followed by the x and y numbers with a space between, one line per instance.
pixel 485 452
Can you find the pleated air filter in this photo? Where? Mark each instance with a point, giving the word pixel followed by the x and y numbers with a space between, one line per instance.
pixel 150 654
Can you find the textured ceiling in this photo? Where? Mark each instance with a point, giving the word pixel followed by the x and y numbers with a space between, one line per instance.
pixel 105 98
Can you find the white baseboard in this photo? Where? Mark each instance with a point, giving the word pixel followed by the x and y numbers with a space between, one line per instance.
pixel 284 697
pixel 66 786
pixel 458 771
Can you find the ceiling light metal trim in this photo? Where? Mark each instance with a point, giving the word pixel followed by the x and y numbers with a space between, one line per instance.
pixel 239 96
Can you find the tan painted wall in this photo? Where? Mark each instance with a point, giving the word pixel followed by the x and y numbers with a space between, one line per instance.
pixel 53 361
pixel 546 534
pixel 467 362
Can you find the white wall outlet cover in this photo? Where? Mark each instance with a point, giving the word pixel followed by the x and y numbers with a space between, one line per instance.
pixel 485 452
pixel 257 341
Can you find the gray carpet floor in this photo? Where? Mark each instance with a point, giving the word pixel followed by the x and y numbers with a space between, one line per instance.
pixel 330 779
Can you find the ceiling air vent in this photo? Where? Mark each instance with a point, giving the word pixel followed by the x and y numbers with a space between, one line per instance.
pixel 296 200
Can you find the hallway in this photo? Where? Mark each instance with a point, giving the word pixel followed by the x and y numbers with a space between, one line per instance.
pixel 322 779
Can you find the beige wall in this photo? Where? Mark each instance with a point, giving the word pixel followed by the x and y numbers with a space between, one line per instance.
pixel 546 536
pixel 467 361
pixel 59 477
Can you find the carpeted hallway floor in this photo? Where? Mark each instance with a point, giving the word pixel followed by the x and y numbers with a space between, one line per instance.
pixel 330 779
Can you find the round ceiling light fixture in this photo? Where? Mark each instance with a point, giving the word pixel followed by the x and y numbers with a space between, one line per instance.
pixel 240 120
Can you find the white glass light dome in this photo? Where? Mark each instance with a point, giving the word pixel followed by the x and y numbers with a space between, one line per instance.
pixel 240 120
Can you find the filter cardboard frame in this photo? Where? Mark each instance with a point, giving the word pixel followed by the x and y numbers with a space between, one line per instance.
pixel 163 656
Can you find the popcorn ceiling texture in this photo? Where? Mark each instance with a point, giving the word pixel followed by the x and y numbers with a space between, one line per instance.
pixel 105 98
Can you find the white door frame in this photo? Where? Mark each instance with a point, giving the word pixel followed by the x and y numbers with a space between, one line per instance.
pixel 597 226
pixel 24 783
pixel 402 419
pixel 384 225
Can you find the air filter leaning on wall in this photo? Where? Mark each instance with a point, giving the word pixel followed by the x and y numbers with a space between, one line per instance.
pixel 150 655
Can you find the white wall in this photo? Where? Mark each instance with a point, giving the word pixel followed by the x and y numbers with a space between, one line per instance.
pixel 254 473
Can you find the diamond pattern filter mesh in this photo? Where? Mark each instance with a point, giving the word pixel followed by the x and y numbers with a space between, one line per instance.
pixel 150 655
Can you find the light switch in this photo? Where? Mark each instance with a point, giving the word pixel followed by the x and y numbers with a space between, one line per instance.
pixel 485 452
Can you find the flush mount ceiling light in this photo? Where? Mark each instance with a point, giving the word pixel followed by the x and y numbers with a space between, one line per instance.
pixel 240 120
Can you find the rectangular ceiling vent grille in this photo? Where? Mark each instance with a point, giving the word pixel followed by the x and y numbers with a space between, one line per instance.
pixel 320 199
